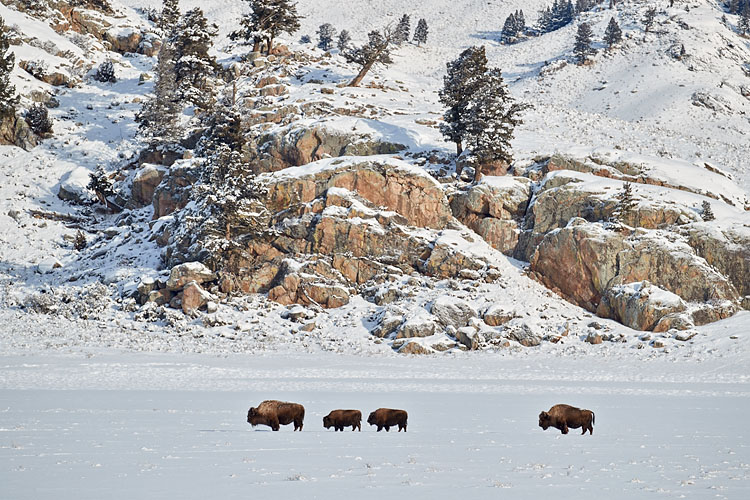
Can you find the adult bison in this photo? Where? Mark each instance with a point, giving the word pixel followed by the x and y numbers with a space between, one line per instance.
pixel 564 416
pixel 387 417
pixel 274 413
pixel 338 419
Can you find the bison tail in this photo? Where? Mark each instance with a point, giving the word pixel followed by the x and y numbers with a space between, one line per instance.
pixel 593 418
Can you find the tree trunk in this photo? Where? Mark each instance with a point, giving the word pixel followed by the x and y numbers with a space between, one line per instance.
pixel 269 45
pixel 459 148
pixel 256 44
pixel 360 75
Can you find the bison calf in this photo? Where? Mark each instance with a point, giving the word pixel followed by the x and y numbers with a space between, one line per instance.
pixel 274 413
pixel 564 416
pixel 387 417
pixel 338 419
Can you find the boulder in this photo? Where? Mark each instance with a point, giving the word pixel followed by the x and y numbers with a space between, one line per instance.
pixel 414 347
pixel 160 297
pixel 16 132
pixel 640 305
pixel 173 193
pixel 523 334
pixel 498 315
pixel 145 182
pixel 469 337
pixel 417 327
pixel 194 297
pixel 389 323
pixel 48 265
pixel 73 186
pixel 183 274
pixel 452 311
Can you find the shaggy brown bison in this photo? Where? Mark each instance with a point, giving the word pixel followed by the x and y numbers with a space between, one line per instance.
pixel 338 419
pixel 564 416
pixel 274 413
pixel 386 417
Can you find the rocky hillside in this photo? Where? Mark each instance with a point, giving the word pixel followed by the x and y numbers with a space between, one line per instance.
pixel 363 229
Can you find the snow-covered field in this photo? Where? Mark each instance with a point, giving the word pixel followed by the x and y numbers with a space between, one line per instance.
pixel 118 425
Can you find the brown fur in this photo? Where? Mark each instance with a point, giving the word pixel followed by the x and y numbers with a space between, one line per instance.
pixel 387 417
pixel 338 419
pixel 564 416
pixel 274 413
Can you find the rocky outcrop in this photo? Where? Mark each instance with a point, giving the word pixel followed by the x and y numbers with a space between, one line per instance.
pixel 173 192
pixel 16 132
pixel 584 261
pixel 55 78
pixel 452 311
pixel 640 306
pixel 302 145
pixel 186 273
pixel 144 184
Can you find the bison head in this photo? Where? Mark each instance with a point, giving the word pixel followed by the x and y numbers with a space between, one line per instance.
pixel 544 420
pixel 371 418
pixel 250 414
pixel 327 422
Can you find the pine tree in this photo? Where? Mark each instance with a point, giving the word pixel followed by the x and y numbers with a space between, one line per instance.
pixel 376 50
pixel 159 116
pixel 743 25
pixel 492 117
pixel 707 214
pixel 326 32
pixel 459 85
pixel 508 34
pixel 582 48
pixel 520 20
pixel 403 30
pixel 169 18
pixel 8 97
pixel 343 42
pixel 267 19
pixel 105 73
pixel 613 33
pixel 648 18
pixel 625 204
pixel 38 119
pixel 420 33
pixel 193 65
pixel 102 185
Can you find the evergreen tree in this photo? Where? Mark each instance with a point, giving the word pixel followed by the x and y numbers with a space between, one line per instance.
pixel 159 116
pixel 193 65
pixel 420 33
pixel 459 85
pixel 8 97
pixel 169 18
pixel 743 25
pixel 267 19
pixel 376 50
pixel 613 33
pixel 492 117
pixel 520 20
pixel 343 42
pixel 648 18
pixel 38 119
pixel 105 73
pixel 707 214
pixel 102 186
pixel 582 48
pixel 508 34
pixel 403 30
pixel 625 203
pixel 326 33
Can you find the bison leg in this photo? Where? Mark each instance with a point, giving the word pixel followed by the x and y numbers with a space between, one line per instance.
pixel 387 428
pixel 380 428
pixel 298 425
pixel 564 429
pixel 274 424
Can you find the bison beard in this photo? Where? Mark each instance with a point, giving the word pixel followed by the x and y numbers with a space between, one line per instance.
pixel 338 419
pixel 275 413
pixel 565 416
pixel 385 418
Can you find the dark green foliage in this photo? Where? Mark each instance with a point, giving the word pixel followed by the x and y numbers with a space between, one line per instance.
pixel 743 25
pixel 376 50
pixel 169 18
pixel 105 73
pixel 102 185
pixel 648 18
pixel 193 65
pixel 707 214
pixel 625 204
pixel 613 33
pixel 420 33
pixel 459 85
pixel 582 48
pixel 403 30
pixel 553 18
pixel 38 119
pixel 158 117
pixel 266 20
pixel 80 241
pixel 343 41
pixel 326 33
pixel 8 97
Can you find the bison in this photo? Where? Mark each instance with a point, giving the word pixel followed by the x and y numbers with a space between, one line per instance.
pixel 338 419
pixel 387 417
pixel 274 413
pixel 564 416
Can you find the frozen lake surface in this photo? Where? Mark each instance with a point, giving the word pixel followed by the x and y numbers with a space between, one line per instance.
pixel 74 429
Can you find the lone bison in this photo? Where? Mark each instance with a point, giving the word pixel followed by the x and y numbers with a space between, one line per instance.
pixel 386 417
pixel 564 416
pixel 274 413
pixel 338 419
